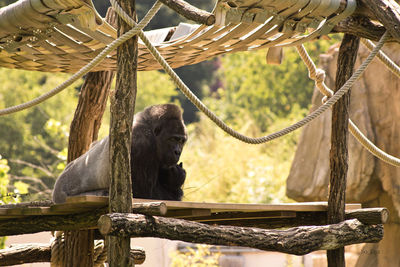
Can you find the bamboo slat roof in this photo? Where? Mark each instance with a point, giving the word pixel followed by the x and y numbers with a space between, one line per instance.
pixel 63 36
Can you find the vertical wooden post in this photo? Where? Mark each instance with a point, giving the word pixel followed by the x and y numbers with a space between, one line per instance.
pixel 339 133
pixel 122 110
pixel 84 130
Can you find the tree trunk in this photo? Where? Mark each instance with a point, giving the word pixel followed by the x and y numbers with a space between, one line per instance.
pixel 122 110
pixel 339 133
pixel 84 130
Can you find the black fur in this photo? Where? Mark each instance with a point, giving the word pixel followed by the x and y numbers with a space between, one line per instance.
pixel 158 137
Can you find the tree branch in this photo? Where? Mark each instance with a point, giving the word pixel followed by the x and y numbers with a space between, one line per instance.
pixel 190 12
pixel 30 253
pixel 33 166
pixel 298 240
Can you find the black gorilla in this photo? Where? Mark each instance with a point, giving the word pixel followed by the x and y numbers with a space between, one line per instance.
pixel 158 137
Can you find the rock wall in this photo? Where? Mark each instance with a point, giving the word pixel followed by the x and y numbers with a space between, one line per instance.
pixel 375 108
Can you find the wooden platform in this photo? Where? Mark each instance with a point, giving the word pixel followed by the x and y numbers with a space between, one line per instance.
pixel 215 213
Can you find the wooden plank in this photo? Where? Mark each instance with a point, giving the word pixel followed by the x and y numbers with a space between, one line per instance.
pixel 188 213
pixel 81 204
pixel 94 199
pixel 215 207
pixel 235 216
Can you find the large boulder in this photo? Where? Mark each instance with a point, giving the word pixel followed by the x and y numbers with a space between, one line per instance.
pixel 375 109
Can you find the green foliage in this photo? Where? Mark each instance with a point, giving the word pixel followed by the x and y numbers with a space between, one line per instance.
pixel 4 180
pixel 223 169
pixel 201 256
pixel 154 87
pixel 32 139
pixel 265 91
pixel 5 196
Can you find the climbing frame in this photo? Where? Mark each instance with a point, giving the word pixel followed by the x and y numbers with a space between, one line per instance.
pixel 63 36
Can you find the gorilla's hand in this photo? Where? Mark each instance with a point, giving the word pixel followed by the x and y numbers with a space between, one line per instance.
pixel 174 177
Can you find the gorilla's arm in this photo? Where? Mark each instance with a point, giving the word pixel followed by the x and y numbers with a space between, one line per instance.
pixel 170 181
pixel 89 172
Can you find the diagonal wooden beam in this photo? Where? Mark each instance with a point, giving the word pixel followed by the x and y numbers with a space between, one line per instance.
pixel 387 12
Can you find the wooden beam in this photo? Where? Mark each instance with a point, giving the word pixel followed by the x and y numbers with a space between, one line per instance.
pixel 362 27
pixel 122 110
pixel 284 219
pixel 36 224
pixel 190 12
pixel 26 253
pixel 387 12
pixel 339 152
pixel 287 241
pixel 150 208
pixel 30 253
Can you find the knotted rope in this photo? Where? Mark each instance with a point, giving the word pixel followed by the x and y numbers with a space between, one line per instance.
pixel 318 75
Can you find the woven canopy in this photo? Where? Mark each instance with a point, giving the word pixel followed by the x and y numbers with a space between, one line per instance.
pixel 64 35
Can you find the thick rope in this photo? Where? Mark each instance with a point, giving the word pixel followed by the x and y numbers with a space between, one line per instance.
pixel 393 67
pixel 186 91
pixel 100 253
pixel 318 75
pixel 58 251
pixel 94 62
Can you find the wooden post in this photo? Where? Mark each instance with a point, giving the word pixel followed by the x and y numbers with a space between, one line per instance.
pixel 84 130
pixel 122 110
pixel 339 133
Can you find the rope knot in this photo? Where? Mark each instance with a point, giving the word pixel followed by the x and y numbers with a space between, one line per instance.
pixel 320 76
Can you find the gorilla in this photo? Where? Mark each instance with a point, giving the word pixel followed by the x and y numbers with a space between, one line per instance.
pixel 158 137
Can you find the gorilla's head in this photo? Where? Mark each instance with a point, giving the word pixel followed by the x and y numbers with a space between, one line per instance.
pixel 171 137
pixel 168 131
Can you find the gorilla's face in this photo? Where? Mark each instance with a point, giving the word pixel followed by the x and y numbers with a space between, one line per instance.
pixel 170 137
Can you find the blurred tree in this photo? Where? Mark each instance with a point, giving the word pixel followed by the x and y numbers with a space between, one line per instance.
pixel 200 256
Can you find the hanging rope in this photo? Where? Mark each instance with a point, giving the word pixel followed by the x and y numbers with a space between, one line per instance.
pixel 186 91
pixel 107 50
pixel 393 67
pixel 318 75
